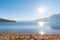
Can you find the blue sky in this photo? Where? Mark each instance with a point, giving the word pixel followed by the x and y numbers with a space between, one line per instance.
pixel 27 9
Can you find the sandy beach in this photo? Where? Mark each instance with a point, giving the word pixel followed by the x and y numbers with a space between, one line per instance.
pixel 29 36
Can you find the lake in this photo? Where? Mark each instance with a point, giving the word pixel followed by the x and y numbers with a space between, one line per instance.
pixel 30 27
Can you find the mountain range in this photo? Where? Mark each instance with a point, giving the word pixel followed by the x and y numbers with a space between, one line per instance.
pixel 53 18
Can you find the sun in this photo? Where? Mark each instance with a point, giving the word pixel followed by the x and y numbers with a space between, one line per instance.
pixel 42 11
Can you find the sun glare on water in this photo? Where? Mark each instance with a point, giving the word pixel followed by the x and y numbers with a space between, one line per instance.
pixel 41 24
pixel 41 32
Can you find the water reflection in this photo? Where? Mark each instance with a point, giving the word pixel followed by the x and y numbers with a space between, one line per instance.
pixel 49 28
pixel 39 28
pixel 41 32
pixel 55 27
pixel 41 24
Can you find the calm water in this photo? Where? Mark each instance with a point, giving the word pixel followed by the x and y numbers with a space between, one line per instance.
pixel 30 27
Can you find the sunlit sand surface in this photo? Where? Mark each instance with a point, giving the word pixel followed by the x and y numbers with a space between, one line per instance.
pixel 29 37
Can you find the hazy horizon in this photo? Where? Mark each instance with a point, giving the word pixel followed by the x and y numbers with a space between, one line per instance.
pixel 28 9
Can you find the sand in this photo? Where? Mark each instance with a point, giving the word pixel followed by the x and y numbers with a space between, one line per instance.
pixel 29 36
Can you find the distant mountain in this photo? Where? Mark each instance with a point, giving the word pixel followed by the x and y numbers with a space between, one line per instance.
pixel 53 21
pixel 56 16
pixel 6 20
pixel 53 18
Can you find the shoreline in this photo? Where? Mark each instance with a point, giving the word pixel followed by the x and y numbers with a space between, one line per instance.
pixel 29 36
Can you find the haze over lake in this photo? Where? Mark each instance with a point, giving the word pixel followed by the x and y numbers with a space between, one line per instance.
pixel 29 28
